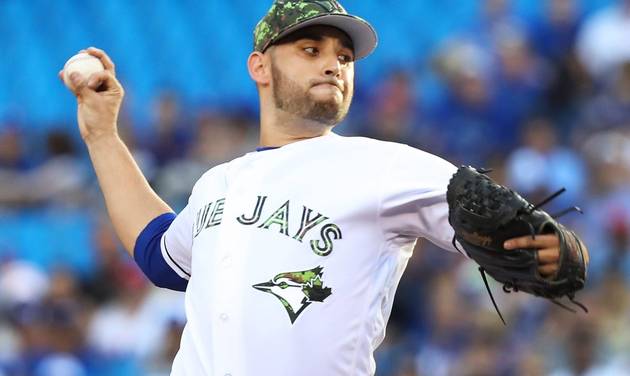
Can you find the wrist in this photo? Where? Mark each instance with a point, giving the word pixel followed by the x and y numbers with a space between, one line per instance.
pixel 94 138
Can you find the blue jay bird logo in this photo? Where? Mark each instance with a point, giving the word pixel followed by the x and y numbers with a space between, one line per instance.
pixel 297 290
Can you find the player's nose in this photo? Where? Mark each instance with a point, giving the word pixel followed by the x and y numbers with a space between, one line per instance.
pixel 329 56
pixel 332 66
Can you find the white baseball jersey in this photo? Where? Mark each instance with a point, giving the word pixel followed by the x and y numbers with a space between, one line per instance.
pixel 293 254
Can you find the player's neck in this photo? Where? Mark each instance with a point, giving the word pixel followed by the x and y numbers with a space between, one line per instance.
pixel 279 128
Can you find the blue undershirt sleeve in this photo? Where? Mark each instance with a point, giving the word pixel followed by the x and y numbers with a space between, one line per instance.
pixel 148 255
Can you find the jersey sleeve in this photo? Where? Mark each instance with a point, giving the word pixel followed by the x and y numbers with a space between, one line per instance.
pixel 163 250
pixel 413 202
pixel 176 243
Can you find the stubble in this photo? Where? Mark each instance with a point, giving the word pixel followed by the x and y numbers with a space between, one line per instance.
pixel 290 97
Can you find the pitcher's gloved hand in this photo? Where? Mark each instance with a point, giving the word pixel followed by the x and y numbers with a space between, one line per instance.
pixel 485 215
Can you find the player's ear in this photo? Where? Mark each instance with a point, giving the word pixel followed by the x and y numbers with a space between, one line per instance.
pixel 259 67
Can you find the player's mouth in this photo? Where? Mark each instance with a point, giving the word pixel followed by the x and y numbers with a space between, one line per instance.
pixel 331 83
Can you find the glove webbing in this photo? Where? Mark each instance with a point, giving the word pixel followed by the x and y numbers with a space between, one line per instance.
pixel 508 288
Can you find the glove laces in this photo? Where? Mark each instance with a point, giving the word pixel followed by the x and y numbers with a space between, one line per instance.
pixel 510 287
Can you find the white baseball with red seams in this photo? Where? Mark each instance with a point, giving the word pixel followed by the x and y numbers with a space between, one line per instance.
pixel 82 63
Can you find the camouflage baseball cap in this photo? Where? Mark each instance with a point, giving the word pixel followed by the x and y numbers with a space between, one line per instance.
pixel 287 16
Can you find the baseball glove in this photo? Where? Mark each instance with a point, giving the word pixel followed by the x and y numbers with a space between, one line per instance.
pixel 485 214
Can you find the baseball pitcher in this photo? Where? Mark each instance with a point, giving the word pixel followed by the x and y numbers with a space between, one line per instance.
pixel 290 255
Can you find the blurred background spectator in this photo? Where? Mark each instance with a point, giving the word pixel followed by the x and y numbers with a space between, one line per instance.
pixel 538 91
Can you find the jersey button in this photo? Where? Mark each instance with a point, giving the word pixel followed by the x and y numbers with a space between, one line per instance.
pixel 227 260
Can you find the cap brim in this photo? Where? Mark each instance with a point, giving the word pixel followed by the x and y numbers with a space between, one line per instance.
pixel 362 34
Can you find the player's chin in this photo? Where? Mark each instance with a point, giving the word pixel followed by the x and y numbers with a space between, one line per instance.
pixel 328 113
pixel 328 105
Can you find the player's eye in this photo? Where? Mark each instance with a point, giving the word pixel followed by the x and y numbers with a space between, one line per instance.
pixel 311 51
pixel 283 285
pixel 345 59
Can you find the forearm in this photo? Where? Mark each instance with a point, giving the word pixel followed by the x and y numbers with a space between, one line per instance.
pixel 130 201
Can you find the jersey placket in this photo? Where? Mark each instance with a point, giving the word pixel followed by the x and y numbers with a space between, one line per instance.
pixel 227 304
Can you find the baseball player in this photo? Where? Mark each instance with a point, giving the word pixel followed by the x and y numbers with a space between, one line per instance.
pixel 289 255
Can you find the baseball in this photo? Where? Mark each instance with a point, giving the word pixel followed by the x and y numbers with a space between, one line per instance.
pixel 82 63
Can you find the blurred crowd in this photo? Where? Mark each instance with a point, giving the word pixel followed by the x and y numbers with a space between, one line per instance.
pixel 544 101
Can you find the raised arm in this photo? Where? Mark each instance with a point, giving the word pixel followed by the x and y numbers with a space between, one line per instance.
pixel 131 203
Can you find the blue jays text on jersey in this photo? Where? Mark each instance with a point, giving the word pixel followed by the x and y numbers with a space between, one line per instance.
pixel 211 215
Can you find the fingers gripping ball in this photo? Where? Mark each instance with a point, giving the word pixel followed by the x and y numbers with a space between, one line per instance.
pixel 82 63
pixel 485 214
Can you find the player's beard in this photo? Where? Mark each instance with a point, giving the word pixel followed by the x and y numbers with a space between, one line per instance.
pixel 289 96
